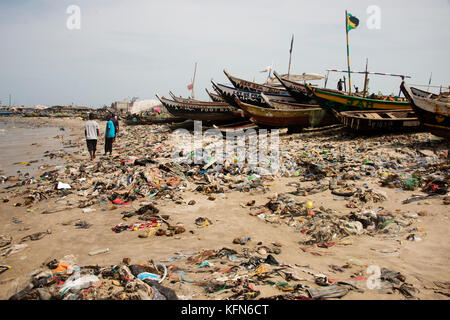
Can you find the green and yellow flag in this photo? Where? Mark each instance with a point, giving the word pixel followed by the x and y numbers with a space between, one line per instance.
pixel 352 22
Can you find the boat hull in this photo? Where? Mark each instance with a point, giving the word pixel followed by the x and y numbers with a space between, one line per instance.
pixel 342 102
pixel 253 86
pixel 301 117
pixel 373 122
pixel 203 111
pixel 434 116
pixel 297 90
pixel 142 120
pixel 251 97
pixel 214 97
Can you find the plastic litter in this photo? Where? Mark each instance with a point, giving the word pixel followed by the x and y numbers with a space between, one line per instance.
pixel 93 253
pixel 62 185
pixel 76 283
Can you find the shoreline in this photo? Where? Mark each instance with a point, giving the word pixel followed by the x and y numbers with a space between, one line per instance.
pixel 38 143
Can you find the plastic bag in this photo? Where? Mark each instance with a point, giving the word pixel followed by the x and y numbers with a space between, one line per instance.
pixel 75 283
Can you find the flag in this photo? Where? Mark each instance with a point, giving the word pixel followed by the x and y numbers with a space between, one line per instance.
pixel 190 86
pixel 352 22
pixel 292 43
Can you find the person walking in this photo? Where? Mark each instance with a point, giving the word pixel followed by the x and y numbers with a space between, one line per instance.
pixel 115 120
pixel 110 134
pixel 91 133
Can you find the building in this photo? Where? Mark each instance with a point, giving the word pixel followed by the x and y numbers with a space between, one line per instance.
pixel 121 106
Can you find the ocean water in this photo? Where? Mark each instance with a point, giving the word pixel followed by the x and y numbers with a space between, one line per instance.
pixel 23 143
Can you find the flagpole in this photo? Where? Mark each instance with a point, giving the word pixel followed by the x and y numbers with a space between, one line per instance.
pixel 348 55
pixel 193 80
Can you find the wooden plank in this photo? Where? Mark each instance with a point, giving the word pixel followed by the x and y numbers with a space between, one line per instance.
pixel 391 115
pixel 373 115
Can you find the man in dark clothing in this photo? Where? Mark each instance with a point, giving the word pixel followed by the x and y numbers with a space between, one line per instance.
pixel 115 120
pixel 339 85
pixel 110 134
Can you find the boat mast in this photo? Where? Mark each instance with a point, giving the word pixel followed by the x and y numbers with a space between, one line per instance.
pixel 290 55
pixel 429 82
pixel 365 80
pixel 193 80
pixel 326 78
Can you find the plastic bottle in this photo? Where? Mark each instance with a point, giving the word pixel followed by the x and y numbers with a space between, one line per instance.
pixel 356 262
pixel 93 253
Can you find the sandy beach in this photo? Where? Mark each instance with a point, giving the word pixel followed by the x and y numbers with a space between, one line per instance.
pixel 422 259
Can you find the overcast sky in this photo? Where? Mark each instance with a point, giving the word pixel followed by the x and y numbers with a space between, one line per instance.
pixel 143 47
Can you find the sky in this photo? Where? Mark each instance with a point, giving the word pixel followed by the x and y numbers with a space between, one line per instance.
pixel 137 48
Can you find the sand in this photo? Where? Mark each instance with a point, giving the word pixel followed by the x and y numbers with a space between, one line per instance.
pixel 422 263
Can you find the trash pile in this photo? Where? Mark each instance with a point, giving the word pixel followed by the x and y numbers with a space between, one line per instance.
pixel 224 274
pixel 62 280
pixel 397 161
pixel 142 167
pixel 107 180
pixel 125 177
pixel 326 228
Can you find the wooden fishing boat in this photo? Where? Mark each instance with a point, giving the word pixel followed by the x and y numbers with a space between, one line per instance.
pixel 253 86
pixel 247 96
pixel 181 99
pixel 231 126
pixel 297 90
pixel 214 97
pixel 186 124
pixel 432 110
pixel 278 116
pixel 341 101
pixel 379 121
pixel 200 110
pixel 144 120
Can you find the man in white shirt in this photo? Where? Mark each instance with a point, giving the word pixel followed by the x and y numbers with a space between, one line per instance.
pixel 91 132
